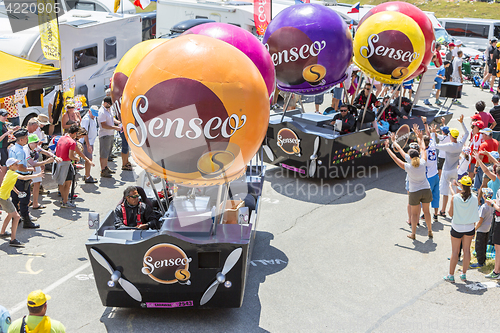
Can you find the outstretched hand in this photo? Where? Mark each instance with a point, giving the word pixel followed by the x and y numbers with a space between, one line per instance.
pixel 461 119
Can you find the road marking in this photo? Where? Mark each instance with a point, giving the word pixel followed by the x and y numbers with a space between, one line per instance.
pixel 53 286
pixel 29 270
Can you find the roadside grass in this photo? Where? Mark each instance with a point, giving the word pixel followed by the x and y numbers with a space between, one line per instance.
pixel 444 8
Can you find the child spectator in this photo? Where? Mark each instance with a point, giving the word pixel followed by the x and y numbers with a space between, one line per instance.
pixel 408 86
pixel 483 228
pixel 463 163
pixel 486 117
pixel 6 188
pixel 439 79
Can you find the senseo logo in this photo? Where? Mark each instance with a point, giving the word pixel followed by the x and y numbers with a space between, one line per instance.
pixel 297 52
pixel 191 129
pixel 384 57
pixel 288 141
pixel 167 264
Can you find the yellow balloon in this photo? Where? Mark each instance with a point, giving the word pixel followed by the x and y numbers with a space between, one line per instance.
pixel 389 46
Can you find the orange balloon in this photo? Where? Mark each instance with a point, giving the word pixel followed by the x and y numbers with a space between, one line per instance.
pixel 195 110
pixel 128 63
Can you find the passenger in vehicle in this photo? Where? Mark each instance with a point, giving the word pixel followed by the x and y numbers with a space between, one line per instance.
pixel 131 212
pixel 347 119
pixel 360 100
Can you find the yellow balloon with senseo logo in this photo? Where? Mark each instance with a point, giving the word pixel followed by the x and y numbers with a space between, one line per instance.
pixel 127 64
pixel 389 46
pixel 195 110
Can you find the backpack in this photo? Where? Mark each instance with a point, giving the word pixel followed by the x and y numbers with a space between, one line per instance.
pixel 476 80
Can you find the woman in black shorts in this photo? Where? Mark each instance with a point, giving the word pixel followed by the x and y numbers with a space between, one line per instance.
pixel 464 215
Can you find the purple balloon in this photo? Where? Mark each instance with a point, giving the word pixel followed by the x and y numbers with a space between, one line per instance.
pixel 311 48
pixel 243 41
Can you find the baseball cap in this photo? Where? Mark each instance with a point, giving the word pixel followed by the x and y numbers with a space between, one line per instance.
pixel 493 40
pixel 458 42
pixel 11 161
pixel 494 99
pixel 37 298
pixel 479 124
pixel 20 133
pixel 487 193
pixel 486 131
pixel 451 44
pixel 33 138
pixel 454 132
pixel 4 112
pixel 70 103
pixel 476 116
pixel 465 180
pixel 94 109
pixel 445 130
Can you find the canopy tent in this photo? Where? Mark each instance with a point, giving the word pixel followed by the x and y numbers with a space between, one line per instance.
pixel 17 73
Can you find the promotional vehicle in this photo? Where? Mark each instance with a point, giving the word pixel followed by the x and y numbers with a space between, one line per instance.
pixel 92 44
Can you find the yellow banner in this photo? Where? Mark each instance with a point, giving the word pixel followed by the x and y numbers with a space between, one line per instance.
pixel 117 5
pixel 49 29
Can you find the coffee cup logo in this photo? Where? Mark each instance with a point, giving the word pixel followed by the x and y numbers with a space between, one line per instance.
pixel 167 264
pixel 314 74
pixel 288 141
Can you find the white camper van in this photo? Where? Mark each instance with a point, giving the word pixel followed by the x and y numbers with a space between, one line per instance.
pixel 473 32
pixel 126 7
pixel 92 44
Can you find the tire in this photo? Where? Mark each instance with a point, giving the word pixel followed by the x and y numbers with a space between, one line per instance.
pixel 27 118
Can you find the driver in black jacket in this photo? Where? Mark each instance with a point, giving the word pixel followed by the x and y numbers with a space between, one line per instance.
pixel 134 213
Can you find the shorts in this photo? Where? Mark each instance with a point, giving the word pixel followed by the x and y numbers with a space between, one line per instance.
pixel 71 173
pixel 446 178
pixel 105 145
pixel 440 163
pixel 125 147
pixel 37 179
pixel 456 79
pixel 456 234
pixel 492 68
pixel 437 85
pixel 421 196
pixel 8 206
pixel 4 155
pixel 86 152
pixel 318 99
pixel 496 234
pixel 337 93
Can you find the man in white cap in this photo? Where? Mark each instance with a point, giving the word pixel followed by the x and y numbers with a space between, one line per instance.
pixel 89 123
pixel 452 151
pixel 37 321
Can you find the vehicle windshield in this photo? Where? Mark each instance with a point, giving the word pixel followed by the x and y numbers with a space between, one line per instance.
pixel 442 35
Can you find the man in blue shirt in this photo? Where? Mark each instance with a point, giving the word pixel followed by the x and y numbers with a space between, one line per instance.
pixel 17 152
pixel 439 79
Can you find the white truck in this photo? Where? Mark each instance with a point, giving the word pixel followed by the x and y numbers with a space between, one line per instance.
pixel 92 44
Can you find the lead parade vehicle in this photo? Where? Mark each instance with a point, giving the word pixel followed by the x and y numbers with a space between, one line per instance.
pixel 195 111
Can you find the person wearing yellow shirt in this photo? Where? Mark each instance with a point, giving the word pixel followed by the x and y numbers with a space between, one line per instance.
pixel 8 185
pixel 37 321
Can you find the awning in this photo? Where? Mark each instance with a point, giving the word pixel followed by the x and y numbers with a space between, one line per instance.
pixel 17 73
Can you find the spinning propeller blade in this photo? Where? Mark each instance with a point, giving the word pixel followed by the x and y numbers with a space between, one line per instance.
pixel 231 260
pixel 314 157
pixel 269 152
pixel 129 288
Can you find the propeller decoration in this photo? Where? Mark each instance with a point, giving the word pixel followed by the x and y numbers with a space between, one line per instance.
pixel 220 277
pixel 268 151
pixel 129 288
pixel 314 158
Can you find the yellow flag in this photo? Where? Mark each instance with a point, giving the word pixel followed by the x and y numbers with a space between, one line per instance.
pixel 49 29
pixel 117 5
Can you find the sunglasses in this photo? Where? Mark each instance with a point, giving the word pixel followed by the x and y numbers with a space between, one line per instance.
pixel 135 196
pixel 344 110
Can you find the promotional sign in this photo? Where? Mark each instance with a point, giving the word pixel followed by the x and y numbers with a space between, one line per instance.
pixel 167 264
pixel 389 46
pixel 420 18
pixel 261 15
pixel 49 29
pixel 288 141
pixel 311 48
pixel 243 41
pixel 195 110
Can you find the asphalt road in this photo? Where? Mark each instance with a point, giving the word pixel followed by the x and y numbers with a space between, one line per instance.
pixel 330 256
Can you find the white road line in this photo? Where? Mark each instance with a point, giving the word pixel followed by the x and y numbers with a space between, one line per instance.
pixel 53 286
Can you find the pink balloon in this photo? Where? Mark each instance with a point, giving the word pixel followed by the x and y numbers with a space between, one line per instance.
pixel 243 41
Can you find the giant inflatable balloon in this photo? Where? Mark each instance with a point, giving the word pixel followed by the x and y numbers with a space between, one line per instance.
pixel 243 41
pixel 420 18
pixel 128 63
pixel 195 110
pixel 389 46
pixel 311 48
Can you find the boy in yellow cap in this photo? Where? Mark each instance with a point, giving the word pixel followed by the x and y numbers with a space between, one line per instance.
pixel 37 321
